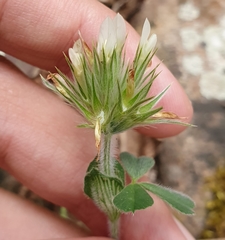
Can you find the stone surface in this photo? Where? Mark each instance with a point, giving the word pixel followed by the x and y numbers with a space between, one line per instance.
pixel 194 156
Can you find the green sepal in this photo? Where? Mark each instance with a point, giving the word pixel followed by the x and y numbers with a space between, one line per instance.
pixel 167 121
pixel 136 167
pixel 154 101
pixel 133 197
pixel 95 101
pixel 140 68
pixel 177 200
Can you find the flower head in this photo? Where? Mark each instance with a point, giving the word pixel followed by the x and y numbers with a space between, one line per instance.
pixel 110 93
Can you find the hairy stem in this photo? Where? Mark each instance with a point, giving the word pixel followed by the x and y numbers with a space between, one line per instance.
pixel 114 229
pixel 106 167
pixel 105 158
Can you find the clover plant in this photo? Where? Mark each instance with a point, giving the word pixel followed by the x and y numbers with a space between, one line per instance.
pixel 112 94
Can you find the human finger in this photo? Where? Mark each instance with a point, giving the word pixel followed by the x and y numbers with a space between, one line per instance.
pixel 21 219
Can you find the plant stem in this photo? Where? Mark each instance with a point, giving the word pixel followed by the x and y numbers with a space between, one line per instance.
pixel 106 166
pixel 105 160
pixel 114 229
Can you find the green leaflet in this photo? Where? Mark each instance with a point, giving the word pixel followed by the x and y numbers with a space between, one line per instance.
pixel 133 197
pixel 136 167
pixel 175 199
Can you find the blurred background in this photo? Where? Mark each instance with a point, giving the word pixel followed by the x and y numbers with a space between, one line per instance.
pixel 191 42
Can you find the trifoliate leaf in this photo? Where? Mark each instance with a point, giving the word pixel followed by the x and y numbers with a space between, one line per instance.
pixel 175 199
pixel 133 197
pixel 136 167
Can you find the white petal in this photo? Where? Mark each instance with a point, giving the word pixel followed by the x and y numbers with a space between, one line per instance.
pixel 145 32
pixel 76 59
pixel 103 34
pixel 150 45
pixel 77 47
pixel 111 37
pixel 120 29
pixel 104 30
pixel 72 55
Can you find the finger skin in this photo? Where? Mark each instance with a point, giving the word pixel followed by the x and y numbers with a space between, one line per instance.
pixel 44 29
pixel 21 219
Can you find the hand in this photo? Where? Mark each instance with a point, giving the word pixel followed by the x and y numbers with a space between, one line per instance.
pixel 39 142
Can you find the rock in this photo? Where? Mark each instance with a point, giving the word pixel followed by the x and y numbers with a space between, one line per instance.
pixel 187 160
